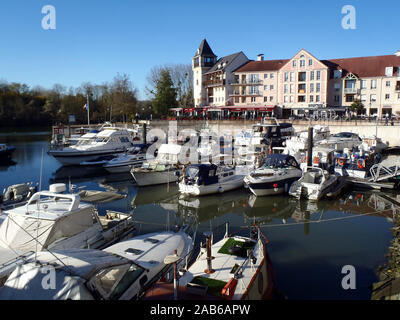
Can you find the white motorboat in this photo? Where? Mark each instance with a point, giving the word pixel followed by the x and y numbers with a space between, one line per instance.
pixel 122 271
pixel 52 220
pixel 340 141
pixel 234 268
pixel 17 194
pixel 134 158
pixel 160 170
pixel 201 179
pixel 373 144
pixel 275 176
pixel 110 140
pixel 314 184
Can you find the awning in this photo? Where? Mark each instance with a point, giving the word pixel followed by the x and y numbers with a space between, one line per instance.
pixel 175 109
pixel 187 110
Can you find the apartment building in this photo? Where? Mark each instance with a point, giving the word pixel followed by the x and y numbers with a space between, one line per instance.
pixel 299 84
pixel 213 77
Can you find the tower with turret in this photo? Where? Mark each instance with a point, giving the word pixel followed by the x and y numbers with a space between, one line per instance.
pixel 202 62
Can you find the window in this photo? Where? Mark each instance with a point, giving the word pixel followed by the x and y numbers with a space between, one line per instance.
pixel 318 75
pixel 286 89
pixel 337 98
pixel 317 98
pixel 318 87
pixel 265 99
pixel 363 84
pixel 398 96
pixel 389 71
pixel 337 86
pixel 285 99
pixel 301 99
pixel 311 87
pixel 292 88
pixel 387 96
pixel 294 63
pixel 349 98
pixel 373 84
pixel 265 75
pixel 387 83
pixel 302 63
pixel 312 75
pixel 302 76
pixel 271 87
pixel 291 76
pixel 363 97
pixel 310 62
pixel 291 99
pixel 265 87
pixel 373 97
pixel 337 74
pixel 271 98
pixel 286 76
pixel 311 98
pixel 253 99
pixel 271 75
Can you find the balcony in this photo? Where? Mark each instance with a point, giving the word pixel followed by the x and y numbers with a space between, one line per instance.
pixel 245 94
pixel 397 88
pixel 214 82
pixel 246 82
pixel 350 90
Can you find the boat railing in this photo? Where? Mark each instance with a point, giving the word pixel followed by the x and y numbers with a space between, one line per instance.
pixel 380 172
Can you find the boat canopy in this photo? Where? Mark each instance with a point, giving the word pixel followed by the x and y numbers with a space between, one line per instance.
pixel 277 160
pixel 205 173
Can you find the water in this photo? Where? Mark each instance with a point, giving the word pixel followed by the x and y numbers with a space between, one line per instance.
pixel 307 255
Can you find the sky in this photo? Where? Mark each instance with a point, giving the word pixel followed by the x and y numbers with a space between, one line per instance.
pixel 95 39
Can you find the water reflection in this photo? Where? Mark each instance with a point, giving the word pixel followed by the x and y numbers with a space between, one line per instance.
pixel 6 163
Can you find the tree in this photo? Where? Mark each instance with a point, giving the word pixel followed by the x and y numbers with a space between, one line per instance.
pixel 165 94
pixel 357 106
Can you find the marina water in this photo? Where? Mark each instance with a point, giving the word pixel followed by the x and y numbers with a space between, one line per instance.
pixel 309 243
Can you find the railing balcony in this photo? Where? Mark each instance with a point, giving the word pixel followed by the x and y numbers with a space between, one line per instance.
pixel 246 82
pixel 302 91
pixel 214 82
pixel 350 90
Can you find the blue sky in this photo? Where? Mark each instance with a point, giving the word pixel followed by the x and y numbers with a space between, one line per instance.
pixel 95 39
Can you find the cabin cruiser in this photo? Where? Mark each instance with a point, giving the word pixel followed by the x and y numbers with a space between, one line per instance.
pixel 17 194
pixel 161 169
pixel 373 144
pixel 52 220
pixel 234 268
pixel 314 184
pixel 275 176
pixel 123 271
pixel 201 179
pixel 110 140
pixel 340 141
pixel 6 151
pixel 133 158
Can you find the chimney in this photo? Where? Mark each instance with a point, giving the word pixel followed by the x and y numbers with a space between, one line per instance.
pixel 260 57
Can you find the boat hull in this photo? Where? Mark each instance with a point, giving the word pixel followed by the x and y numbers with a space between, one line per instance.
pixel 149 178
pixel 268 188
pixel 76 158
pixel 221 187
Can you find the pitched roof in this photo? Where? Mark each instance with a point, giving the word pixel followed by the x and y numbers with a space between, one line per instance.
pixel 365 66
pixel 265 65
pixel 223 62
pixel 204 49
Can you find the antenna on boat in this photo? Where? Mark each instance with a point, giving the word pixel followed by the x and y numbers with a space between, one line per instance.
pixel 37 206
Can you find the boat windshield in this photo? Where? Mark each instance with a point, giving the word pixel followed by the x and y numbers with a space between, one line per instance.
pixel 272 162
pixel 111 283
pixel 84 141
pixel 100 139
pixel 192 172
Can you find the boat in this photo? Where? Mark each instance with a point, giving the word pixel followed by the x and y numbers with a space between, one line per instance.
pixel 275 176
pixel 109 141
pixel 314 184
pixel 123 271
pixel 17 194
pixel 99 161
pixel 234 268
pixel 53 220
pixel 340 141
pixel 6 151
pixel 202 179
pixel 134 158
pixel 161 169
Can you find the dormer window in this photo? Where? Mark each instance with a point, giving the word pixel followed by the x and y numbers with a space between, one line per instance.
pixel 389 71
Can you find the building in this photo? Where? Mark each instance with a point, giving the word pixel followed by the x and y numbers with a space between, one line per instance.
pixel 297 85
pixel 213 77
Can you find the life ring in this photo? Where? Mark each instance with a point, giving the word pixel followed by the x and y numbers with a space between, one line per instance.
pixel 341 161
pixel 316 160
pixel 361 163
pixel 304 159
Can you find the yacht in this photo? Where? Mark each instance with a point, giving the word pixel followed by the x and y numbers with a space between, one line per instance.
pixel 275 176
pixel 133 158
pixel 52 220
pixel 6 151
pixel 201 179
pixel 123 271
pixel 234 268
pixel 314 184
pixel 341 140
pixel 160 170
pixel 110 140
pixel 17 194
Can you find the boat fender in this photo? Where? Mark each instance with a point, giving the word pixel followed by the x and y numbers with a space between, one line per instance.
pixel 229 288
pixel 361 163
pixel 220 190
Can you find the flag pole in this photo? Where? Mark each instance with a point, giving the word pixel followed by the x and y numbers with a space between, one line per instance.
pixel 88 118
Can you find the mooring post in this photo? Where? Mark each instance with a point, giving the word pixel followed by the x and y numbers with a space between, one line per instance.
pixel 310 146
pixel 144 133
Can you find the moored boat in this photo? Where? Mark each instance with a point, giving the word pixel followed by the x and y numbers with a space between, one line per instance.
pixel 6 151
